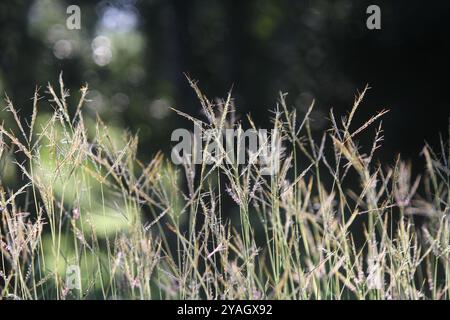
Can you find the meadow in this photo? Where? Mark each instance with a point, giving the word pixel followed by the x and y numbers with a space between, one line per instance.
pixel 90 220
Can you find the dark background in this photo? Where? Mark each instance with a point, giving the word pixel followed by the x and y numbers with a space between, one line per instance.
pixel 311 49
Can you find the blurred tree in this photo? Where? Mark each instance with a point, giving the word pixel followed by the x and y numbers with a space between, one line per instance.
pixel 133 55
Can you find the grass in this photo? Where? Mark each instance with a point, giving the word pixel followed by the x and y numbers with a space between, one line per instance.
pixel 331 223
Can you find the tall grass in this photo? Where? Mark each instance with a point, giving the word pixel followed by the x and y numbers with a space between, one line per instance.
pixel 330 223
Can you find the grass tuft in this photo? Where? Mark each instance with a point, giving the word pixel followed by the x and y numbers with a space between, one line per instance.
pixel 90 220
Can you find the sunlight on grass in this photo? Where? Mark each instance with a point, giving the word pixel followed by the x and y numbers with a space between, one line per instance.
pixel 329 222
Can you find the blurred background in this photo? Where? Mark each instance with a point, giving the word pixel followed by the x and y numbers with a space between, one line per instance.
pixel 133 55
